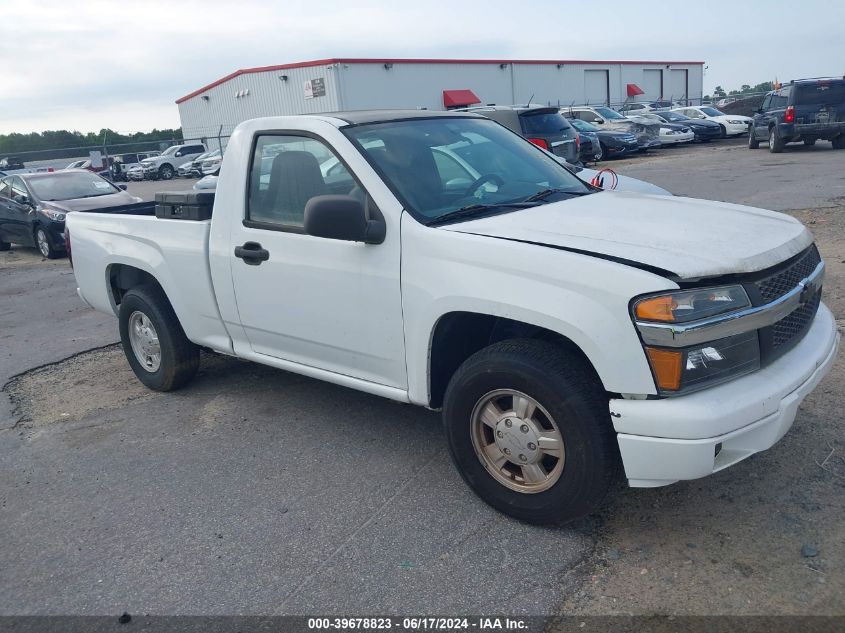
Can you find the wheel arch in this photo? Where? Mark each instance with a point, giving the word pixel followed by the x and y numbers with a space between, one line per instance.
pixel 122 278
pixel 458 335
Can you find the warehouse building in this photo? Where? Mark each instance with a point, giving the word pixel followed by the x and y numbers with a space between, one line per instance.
pixel 328 85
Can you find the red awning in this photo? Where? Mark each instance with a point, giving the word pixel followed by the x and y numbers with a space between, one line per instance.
pixel 634 90
pixel 459 98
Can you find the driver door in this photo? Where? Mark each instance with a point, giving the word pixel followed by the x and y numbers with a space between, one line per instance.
pixel 18 217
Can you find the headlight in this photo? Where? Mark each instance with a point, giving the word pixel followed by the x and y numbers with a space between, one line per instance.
pixel 736 122
pixel 681 371
pixel 683 306
pixel 56 216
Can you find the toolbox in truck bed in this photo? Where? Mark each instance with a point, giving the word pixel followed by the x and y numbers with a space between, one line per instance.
pixel 184 205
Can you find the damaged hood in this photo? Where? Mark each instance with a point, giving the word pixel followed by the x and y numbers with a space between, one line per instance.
pixel 687 237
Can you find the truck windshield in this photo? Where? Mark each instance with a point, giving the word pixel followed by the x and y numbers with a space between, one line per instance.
pixel 439 166
pixel 70 186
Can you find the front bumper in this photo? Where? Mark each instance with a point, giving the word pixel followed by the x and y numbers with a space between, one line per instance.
pixel 733 129
pixel 667 440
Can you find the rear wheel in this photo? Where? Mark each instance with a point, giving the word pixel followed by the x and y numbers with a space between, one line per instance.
pixel 839 142
pixel 45 244
pixel 776 144
pixel 753 142
pixel 154 342
pixel 529 430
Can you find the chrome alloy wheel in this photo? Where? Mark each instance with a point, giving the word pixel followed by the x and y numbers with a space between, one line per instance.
pixel 517 440
pixel 43 244
pixel 144 341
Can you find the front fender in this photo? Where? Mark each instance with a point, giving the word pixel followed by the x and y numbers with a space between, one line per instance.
pixel 583 298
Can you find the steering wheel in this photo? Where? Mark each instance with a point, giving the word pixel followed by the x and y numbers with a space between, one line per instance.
pixel 494 178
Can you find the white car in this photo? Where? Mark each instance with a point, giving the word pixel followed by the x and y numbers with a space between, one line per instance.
pixel 732 124
pixel 670 133
pixel 134 172
pixel 164 165
pixel 561 331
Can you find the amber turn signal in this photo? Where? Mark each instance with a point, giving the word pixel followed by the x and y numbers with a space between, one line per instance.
pixel 666 365
pixel 657 308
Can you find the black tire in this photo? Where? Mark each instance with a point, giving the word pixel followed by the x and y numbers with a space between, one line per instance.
pixel 574 398
pixel 776 143
pixel 166 172
pixel 44 244
pixel 724 133
pixel 838 142
pixel 753 141
pixel 4 246
pixel 179 357
pixel 809 142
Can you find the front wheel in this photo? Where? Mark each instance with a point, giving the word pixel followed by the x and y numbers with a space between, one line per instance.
pixel 165 172
pixel 839 142
pixel 724 131
pixel 154 342
pixel 4 246
pixel 529 430
pixel 753 142
pixel 45 244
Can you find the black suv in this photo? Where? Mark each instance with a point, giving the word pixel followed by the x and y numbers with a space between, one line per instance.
pixel 804 110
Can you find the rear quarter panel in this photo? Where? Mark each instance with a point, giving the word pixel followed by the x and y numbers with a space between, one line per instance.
pixel 174 252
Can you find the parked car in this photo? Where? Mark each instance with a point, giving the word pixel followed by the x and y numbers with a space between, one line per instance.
pixel 721 103
pixel 648 134
pixel 79 164
pixel 805 110
pixel 122 163
pixel 670 133
pixel 11 163
pixel 211 165
pixel 638 107
pixel 562 330
pixel 612 143
pixel 730 124
pixel 135 172
pixel 704 130
pixel 33 207
pixel 543 126
pixel 164 165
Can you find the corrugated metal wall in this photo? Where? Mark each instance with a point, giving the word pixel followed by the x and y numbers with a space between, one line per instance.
pixel 357 86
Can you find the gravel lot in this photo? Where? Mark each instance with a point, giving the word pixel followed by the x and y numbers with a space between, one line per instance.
pixel 255 491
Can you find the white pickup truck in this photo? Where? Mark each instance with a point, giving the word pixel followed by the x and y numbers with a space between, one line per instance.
pixel 442 260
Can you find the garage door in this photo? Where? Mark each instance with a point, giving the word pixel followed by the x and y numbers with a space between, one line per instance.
pixel 677 85
pixel 596 87
pixel 652 85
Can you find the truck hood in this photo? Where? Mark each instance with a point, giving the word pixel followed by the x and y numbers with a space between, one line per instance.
pixel 687 237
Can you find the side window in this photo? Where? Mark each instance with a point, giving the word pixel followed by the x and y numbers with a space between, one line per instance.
pixel 5 188
pixel 286 172
pixel 767 101
pixel 18 188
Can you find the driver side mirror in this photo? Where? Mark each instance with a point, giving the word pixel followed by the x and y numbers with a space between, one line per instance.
pixel 342 218
pixel 122 186
pixel 597 120
pixel 22 200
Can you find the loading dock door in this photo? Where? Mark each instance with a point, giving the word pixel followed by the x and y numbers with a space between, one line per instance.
pixel 596 87
pixel 652 85
pixel 678 85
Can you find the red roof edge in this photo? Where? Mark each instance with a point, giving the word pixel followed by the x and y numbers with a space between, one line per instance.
pixel 353 60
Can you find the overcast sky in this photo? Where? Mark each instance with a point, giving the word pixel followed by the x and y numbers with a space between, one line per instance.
pixel 91 64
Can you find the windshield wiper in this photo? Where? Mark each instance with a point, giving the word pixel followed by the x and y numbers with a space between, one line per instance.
pixel 474 209
pixel 545 193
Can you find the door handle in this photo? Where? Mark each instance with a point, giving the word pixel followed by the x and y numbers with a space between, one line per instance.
pixel 252 253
